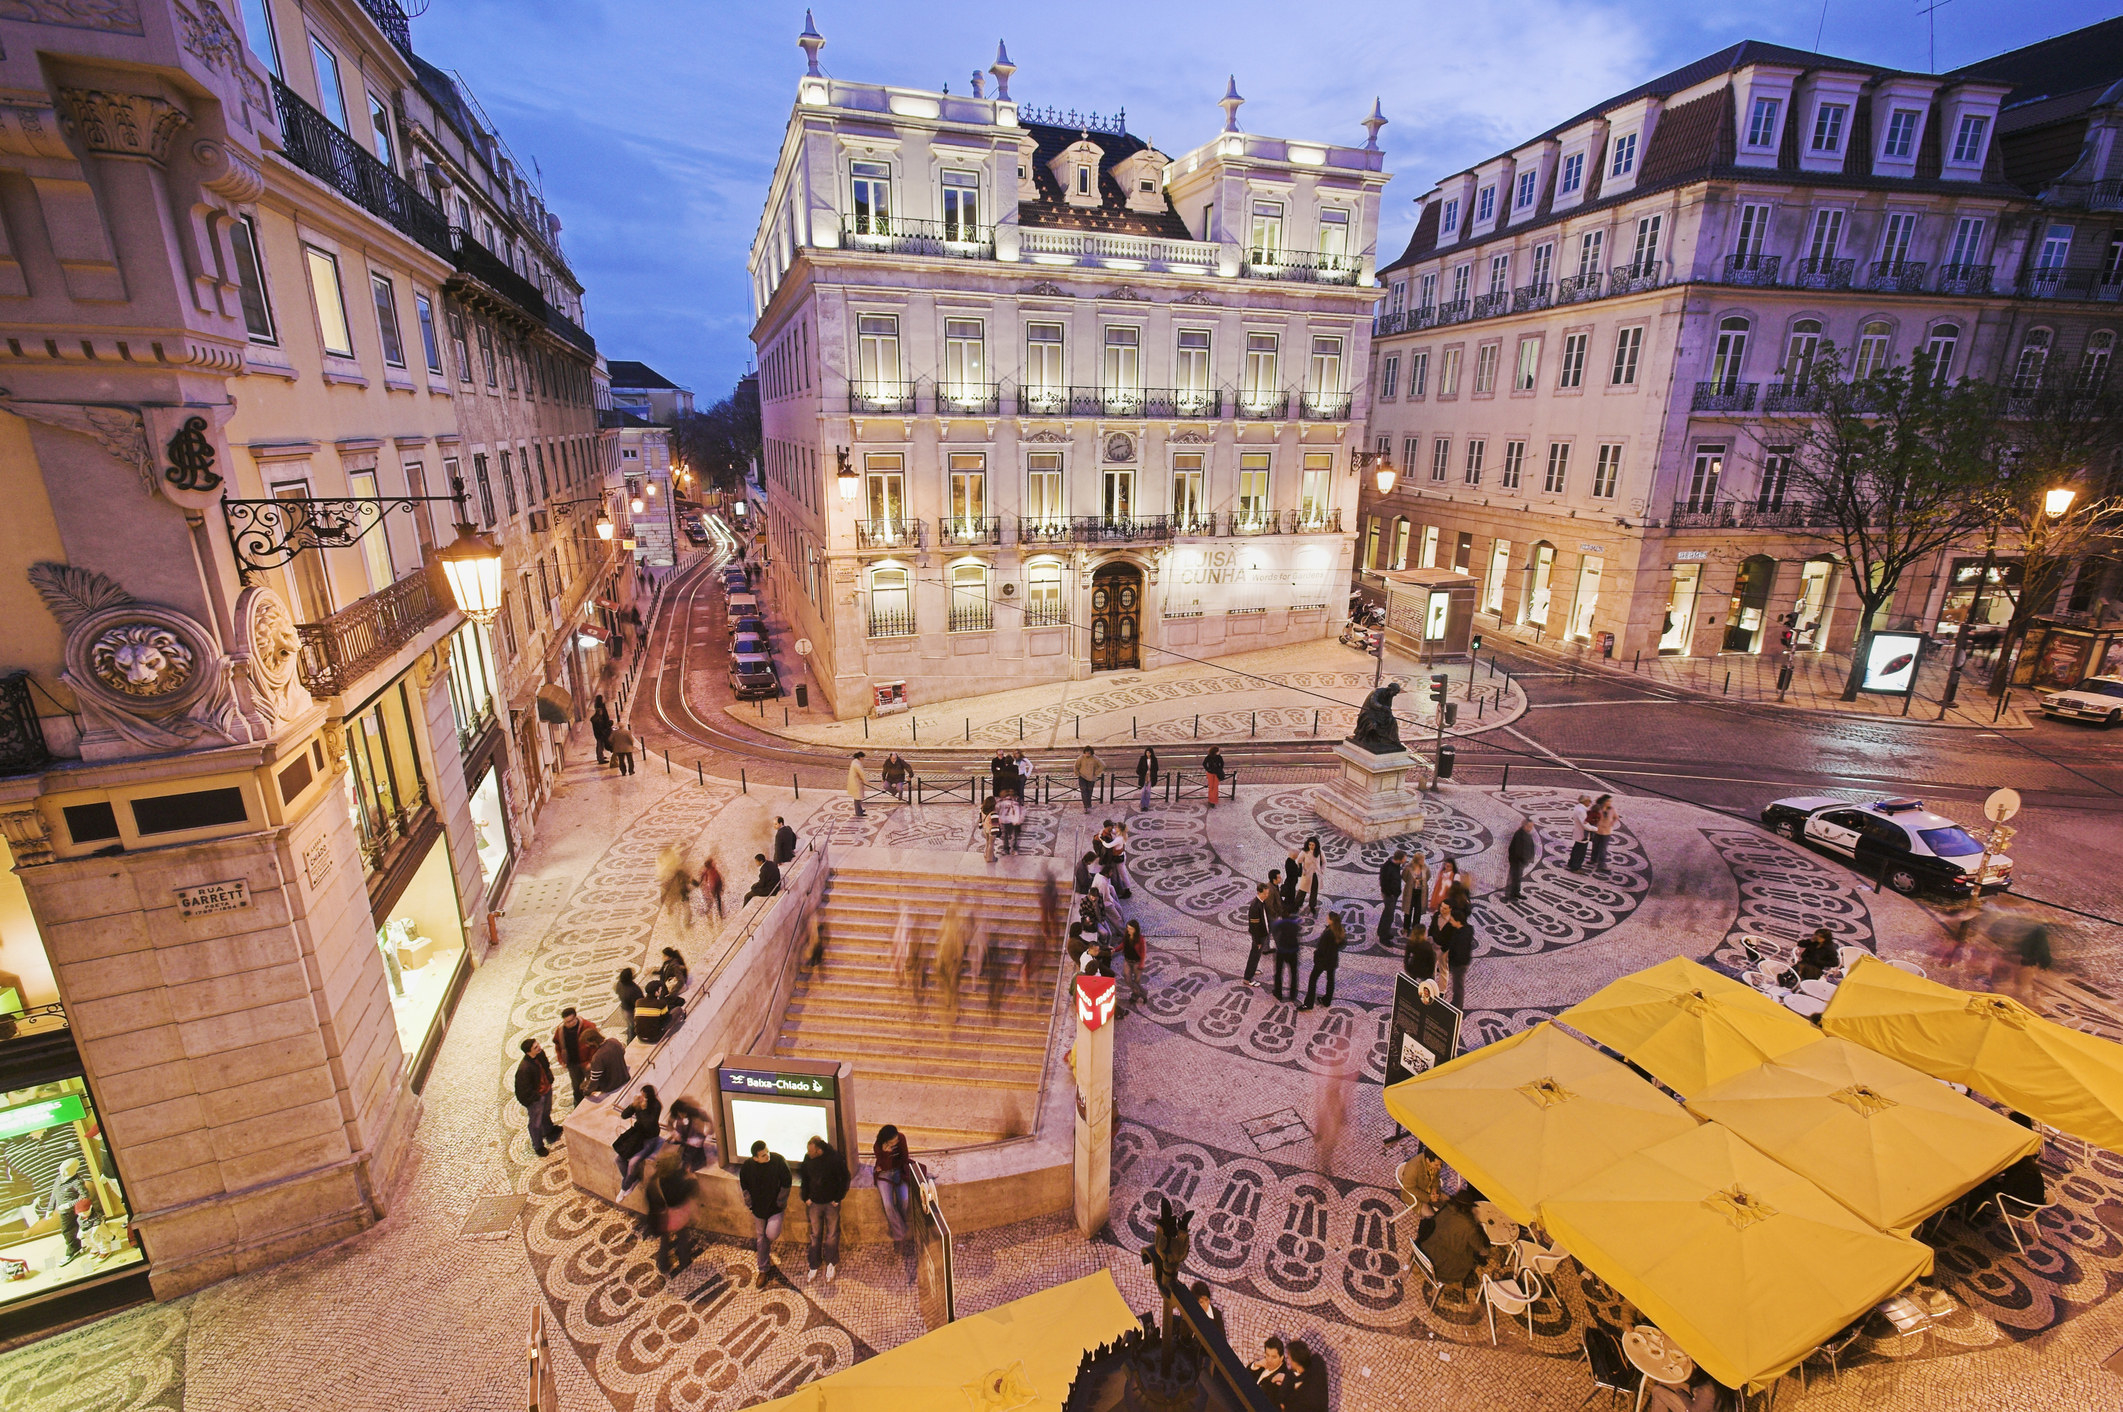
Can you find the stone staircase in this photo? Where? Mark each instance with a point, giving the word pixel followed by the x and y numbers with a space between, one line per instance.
pixel 972 1082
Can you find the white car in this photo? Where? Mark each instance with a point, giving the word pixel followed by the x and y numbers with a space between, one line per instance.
pixel 2095 699
pixel 1897 840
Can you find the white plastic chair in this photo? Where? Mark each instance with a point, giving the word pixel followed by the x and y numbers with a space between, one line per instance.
pixel 1532 1255
pixel 1514 1296
pixel 1910 966
pixel 1820 990
pixel 1429 1273
pixel 1851 955
pixel 2011 1209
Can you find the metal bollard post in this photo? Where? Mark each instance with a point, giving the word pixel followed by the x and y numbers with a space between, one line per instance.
pixel 1079 727
pixel 1728 684
pixel 784 716
pixel 969 730
pixel 700 776
pixel 1197 727
pixel 1636 662
pixel 1479 703
pixel 744 786
pixel 1255 728
pixel 1131 729
pixel 667 762
pixel 796 784
pixel 866 728
pixel 1315 720
pixel 914 726
pixel 1020 727
pixel 1506 788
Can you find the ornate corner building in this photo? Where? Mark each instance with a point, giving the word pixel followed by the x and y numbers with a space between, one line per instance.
pixel 1039 400
pixel 268 290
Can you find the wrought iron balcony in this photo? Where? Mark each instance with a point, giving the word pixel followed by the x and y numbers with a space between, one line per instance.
pixel 888 533
pixel 2106 195
pixel 1452 311
pixel 897 235
pixel 1575 289
pixel 1306 266
pixel 971 617
pixel 2042 284
pixel 1425 317
pixel 1326 406
pixel 392 21
pixel 880 398
pixel 1725 396
pixel 966 399
pixel 315 144
pixel 1634 279
pixel 1398 321
pixel 1252 522
pixel 1789 397
pixel 22 746
pixel 891 622
pixel 1043 529
pixel 337 652
pixel 1092 529
pixel 1755 271
pixel 1081 401
pixel 1044 615
pixel 1497 301
pixel 491 270
pixel 1823 272
pixel 2108 290
pixel 1897 276
pixel 1262 406
pixel 1316 520
pixel 970 529
pixel 568 331
pixel 1759 513
pixel 1528 297
pixel 1201 403
pixel 1198 523
pixel 1964 279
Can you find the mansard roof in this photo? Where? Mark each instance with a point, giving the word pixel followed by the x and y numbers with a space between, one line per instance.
pixel 1112 213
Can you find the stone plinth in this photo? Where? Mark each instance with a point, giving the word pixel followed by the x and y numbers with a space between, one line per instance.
pixel 1367 802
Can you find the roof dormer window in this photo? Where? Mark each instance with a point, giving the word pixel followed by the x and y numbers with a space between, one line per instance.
pixel 1484 205
pixel 1762 122
pixel 1083 181
pixel 1624 155
pixel 1529 182
pixel 1449 224
pixel 1968 139
pixel 1828 126
pixel 1573 176
pixel 1901 133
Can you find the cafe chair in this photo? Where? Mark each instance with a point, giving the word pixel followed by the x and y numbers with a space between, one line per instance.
pixel 1910 966
pixel 1532 1255
pixel 1428 1272
pixel 1611 1372
pixel 1514 1296
pixel 2012 1210
pixel 1851 955
pixel 1830 1353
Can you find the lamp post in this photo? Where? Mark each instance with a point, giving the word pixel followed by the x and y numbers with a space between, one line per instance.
pixel 844 478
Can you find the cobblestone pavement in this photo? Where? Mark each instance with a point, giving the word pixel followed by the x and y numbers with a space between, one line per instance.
pixel 1265 1119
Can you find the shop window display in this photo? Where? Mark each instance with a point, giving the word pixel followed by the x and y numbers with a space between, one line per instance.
pixel 63 1214
pixel 490 829
pixel 422 942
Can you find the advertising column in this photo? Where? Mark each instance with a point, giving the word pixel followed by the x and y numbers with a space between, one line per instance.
pixel 1092 1059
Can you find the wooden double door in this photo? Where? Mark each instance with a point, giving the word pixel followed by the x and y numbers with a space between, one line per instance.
pixel 1116 618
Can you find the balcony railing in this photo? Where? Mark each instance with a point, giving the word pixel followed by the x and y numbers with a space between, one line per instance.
pixel 22 746
pixel 568 331
pixel 1633 279
pixel 1326 406
pixel 1453 311
pixel 1398 321
pixel 321 149
pixel 1043 529
pixel 888 534
pixel 966 399
pixel 1744 514
pixel 1262 406
pixel 392 21
pixel 2105 195
pixel 1788 397
pixel 1202 403
pixel 880 398
pixel 1823 272
pixel 1725 396
pixel 338 651
pixel 1305 266
pixel 1897 276
pixel 490 269
pixel 897 235
pixel 1092 529
pixel 891 622
pixel 1497 301
pixel 970 529
pixel 1532 296
pixel 1755 271
pixel 1964 279
pixel 2042 284
pixel 1251 522
pixel 1044 615
pixel 1198 523
pixel 1315 520
pixel 971 617
pixel 1133 252
pixel 1576 289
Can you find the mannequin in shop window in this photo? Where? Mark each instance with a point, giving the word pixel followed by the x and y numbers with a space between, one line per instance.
pixel 392 939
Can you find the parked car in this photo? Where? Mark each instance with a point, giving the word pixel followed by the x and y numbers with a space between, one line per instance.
pixel 750 644
pixel 756 626
pixel 2095 699
pixel 752 677
pixel 1899 841
pixel 742 605
pixel 695 531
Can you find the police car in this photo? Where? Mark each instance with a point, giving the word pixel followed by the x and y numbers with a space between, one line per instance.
pixel 2095 699
pixel 1899 841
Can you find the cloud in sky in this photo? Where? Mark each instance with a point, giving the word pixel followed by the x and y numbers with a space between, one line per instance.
pixel 656 123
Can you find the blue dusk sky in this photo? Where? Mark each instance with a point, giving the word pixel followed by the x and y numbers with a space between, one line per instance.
pixel 656 123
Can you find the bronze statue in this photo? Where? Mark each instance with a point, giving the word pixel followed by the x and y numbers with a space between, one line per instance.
pixel 1376 729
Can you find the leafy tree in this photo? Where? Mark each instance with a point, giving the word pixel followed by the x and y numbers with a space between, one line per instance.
pixel 723 442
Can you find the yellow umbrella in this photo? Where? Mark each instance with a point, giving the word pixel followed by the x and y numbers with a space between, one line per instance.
pixel 1689 1025
pixel 1018 1355
pixel 1743 1263
pixel 1890 1143
pixel 1992 1043
pixel 1533 1114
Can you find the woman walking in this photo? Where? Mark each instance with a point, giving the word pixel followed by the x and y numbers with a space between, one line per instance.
pixel 1010 814
pixel 1310 862
pixel 1134 952
pixel 1448 873
pixel 1145 777
pixel 1415 891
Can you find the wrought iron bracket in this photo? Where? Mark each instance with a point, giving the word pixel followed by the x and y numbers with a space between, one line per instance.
pixel 268 534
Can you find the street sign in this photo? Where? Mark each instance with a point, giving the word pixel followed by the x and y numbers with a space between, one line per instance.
pixel 803 646
pixel 2002 805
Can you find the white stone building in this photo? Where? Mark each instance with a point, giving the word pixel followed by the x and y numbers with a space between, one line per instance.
pixel 1039 400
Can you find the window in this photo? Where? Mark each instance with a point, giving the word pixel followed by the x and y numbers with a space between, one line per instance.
pixel 486 355
pixel 1628 343
pixel 508 484
pixel 424 310
pixel 1327 367
pixel 1043 488
pixel 1477 452
pixel 1827 236
pixel 1449 223
pixel 1514 463
pixel 969 598
pixel 1123 360
pixel 1400 542
pixel 1901 229
pixel 1253 487
pixel 1429 292
pixel 965 361
pixel 1776 474
pixel 1968 139
pixel 258 32
pixel 1529 182
pixel 1397 296
pixel 1573 177
pixel 1573 373
pixel 1188 513
pixel 1589 245
pixel 1043 603
pixel 1083 181
pixel 1543 265
pixel 257 308
pixel 464 356
pixel 1462 282
pixel 1263 373
pixel 1418 373
pixel 1624 156
pixel 1448 374
pixel 1529 365
pixel 1429 546
pixel 1267 230
pixel 1901 133
pixel 1800 352
pixel 885 490
pixel 1389 377
pixel 1441 458
pixel 1043 361
pixel 326 294
pixel 891 604
pixel 1334 233
pixel 961 205
pixel 1762 122
pixel 1371 542
pixel 969 491
pixel 380 124
pixel 1190 368
pixel 877 352
pixel 1484 204
pixel 2093 364
pixel 331 99
pixel 1500 274
pixel 376 544
pixel 1607 471
pixel 1967 242
pixel 1873 342
pixel 2034 358
pixel 2056 249
pixel 1646 259
pixel 486 490
pixel 1731 352
pixel 1945 338
pixel 1558 473
pixel 1828 126
pixel 387 320
pixel 1485 361
pixel 1754 229
pixel 1313 495
pixel 1703 479
pixel 872 183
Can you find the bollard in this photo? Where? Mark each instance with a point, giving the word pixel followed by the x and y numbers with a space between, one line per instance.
pixel 1020 728
pixel 1480 702
pixel 785 716
pixel 866 728
pixel 1315 720
pixel 1079 727
pixel 744 786
pixel 1197 727
pixel 969 730
pixel 1637 661
pixel 667 762
pixel 796 784
pixel 1728 683
pixel 1255 728
pixel 699 775
pixel 1506 787
pixel 914 726
pixel 2000 711
pixel 1131 729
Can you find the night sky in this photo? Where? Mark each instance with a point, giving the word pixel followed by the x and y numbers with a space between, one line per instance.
pixel 656 123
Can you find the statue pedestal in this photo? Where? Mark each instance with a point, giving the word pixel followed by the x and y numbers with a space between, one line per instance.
pixel 1367 802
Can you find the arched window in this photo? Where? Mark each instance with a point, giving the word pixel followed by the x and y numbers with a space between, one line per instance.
pixel 2093 367
pixel 891 603
pixel 1945 340
pixel 1400 542
pixel 1799 353
pixel 2034 358
pixel 970 610
pixel 1731 353
pixel 1043 593
pixel 1874 341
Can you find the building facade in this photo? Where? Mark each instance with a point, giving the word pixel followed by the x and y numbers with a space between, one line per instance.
pixel 1040 401
pixel 1589 348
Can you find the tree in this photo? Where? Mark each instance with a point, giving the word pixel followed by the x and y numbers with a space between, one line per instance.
pixel 1889 469
pixel 723 442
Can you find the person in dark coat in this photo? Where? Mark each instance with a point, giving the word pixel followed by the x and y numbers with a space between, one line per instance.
pixel 69 1189
pixel 769 878
pixel 1525 846
pixel 629 995
pixel 784 841
pixel 1289 936
pixel 1818 955
pixel 1213 773
pixel 601 729
pixel 671 1193
pixel 1389 887
pixel 534 1090
pixel 824 1173
pixel 575 1040
pixel 1258 918
pixel 1455 1242
pixel 766 1184
pixel 1307 1391
pixel 652 1013
pixel 608 1069
pixel 1456 922
pixel 1326 959
pixel 1419 959
pixel 1293 882
pixel 643 1135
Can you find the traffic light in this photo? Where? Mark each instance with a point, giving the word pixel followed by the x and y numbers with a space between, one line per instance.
pixel 1474 644
pixel 1437 687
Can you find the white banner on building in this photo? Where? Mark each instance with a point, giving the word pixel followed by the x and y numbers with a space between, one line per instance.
pixel 1254 576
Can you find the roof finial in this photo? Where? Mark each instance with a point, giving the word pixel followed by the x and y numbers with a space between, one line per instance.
pixel 811 41
pixel 1230 103
pixel 1372 124
pixel 1002 68
pixel 979 85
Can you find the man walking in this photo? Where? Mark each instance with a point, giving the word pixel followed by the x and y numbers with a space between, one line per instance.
pixel 1390 877
pixel 601 729
pixel 825 1182
pixel 784 841
pixel 856 782
pixel 1456 918
pixel 1087 773
pixel 1524 847
pixel 765 1180
pixel 1258 917
pixel 575 1041
pixel 623 749
pixel 534 1090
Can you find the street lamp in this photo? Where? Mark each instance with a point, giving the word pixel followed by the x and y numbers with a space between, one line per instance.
pixel 2057 503
pixel 1386 476
pixel 845 477
pixel 635 504
pixel 604 526
pixel 472 564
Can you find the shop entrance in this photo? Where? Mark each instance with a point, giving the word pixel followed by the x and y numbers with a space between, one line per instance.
pixel 1116 617
pixel 1750 599
pixel 1812 607
pixel 1588 597
pixel 1680 610
pixel 1538 571
pixel 1499 565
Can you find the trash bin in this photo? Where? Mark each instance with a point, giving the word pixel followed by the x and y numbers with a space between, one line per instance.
pixel 1606 641
pixel 803 695
pixel 1446 755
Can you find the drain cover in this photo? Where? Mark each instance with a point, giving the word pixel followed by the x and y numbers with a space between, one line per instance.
pixel 493 1213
